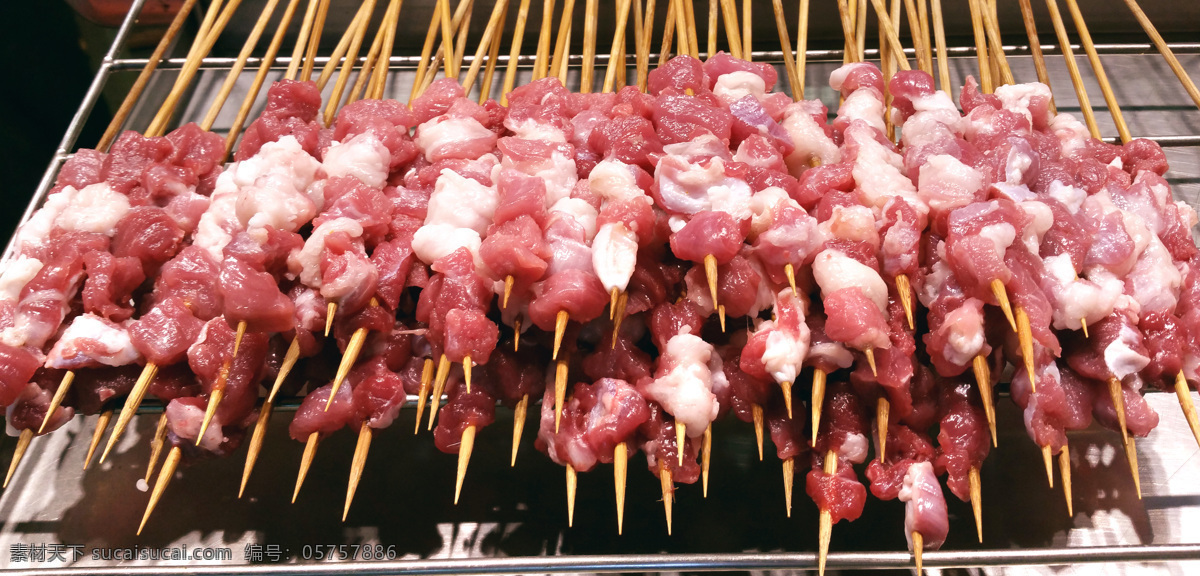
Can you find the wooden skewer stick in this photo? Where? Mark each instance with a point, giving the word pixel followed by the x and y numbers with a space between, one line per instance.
pixel 485 43
pixel 986 82
pixel 995 46
pixel 849 43
pixel 467 366
pixel 143 78
pixel 1064 468
pixel 1048 461
pixel 689 15
pixel 1185 402
pixel 561 47
pixel 1165 50
pixel 514 54
pixel 713 16
pixel 976 500
pixel 359 22
pixel 164 479
pixel 710 271
pixel 423 392
pixel 610 74
pixel 801 48
pixel 620 471
pixel 214 400
pixel 439 384
pixel 462 28
pixel 860 29
pixel 1035 47
pixel 485 88
pixel 643 47
pixel 572 483
pixel 939 36
pixel 588 72
pixel 923 21
pixel 639 32
pixel 156 445
pixel 560 391
pixel 870 354
pixel 356 465
pixel 825 528
pixel 349 357
pixel 314 41
pixel 236 70
pixel 904 292
pixel 57 399
pixel 680 438
pixel 681 27
pixel 747 28
pixel 368 67
pixel 789 474
pixel 914 26
pixel 131 405
pixel 1110 98
pixel 159 124
pixel 668 34
pixel 790 272
pixel 542 60
pixel 668 491
pixel 263 68
pixel 756 415
pixel 382 68
pixel 1085 104
pixel 1001 294
pixel 464 459
pixel 306 459
pixel 622 304
pixel 785 44
pixel 443 10
pixel 1131 455
pixel 983 378
pixel 1117 394
pixel 1025 338
pixel 298 51
pixel 343 78
pixel 733 33
pixel 918 542
pixel 883 411
pixel 818 400
pixel 705 459
pixel 519 415
pixel 431 36
pixel 786 387
pixel 101 425
pixel 18 453
pixel 560 327
pixel 517 335
pixel 256 442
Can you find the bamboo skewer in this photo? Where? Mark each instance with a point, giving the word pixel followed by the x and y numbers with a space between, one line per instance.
pixel 681 27
pixel 520 413
pixel 996 47
pixel 443 10
pixel 918 549
pixel 514 54
pixel 423 392
pixel 164 478
pixel 789 474
pixel 747 28
pixel 464 459
pixel 236 70
pixel 801 59
pixel 981 50
pixel 610 74
pixel 939 34
pixel 785 43
pixel 850 49
pixel 1165 50
pixel 860 28
pixel 1085 104
pixel 139 85
pixel 572 483
pixel 156 445
pixel 689 16
pixel 883 410
pixel 357 464
pixel 102 421
pixel 1131 456
pixel 493 59
pixel 976 497
pixel 733 33
pixel 668 491
pixel 560 392
pixel 705 458
pixel 586 77
pixel 1085 38
pixel 439 384
pixel 56 400
pixel 131 405
pixel 668 33
pixel 818 400
pixel 639 40
pixel 561 46
pixel 314 41
pixel 919 47
pixel 983 379
pixel 756 415
pixel 1185 402
pixel 542 61
pixel 306 459
pixel 825 524
pixel 1035 47
pixel 18 453
pixel 360 21
pixel 620 471
pixel 166 111
pixel 264 415
pixel 339 85
pixel 493 29
pixel 713 16
pixel 1064 468
pixel 298 51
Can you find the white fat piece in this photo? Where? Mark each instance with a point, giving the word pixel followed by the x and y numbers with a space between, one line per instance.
pixel 109 344
pixel 853 223
pixel 186 421
pixel 1070 196
pixel 446 131
pixel 461 202
pixel 784 354
pixel 878 170
pixel 17 273
pixel 855 448
pixel 94 208
pixel 306 263
pixel 736 85
pixel 1120 357
pixel 531 129
pixel 583 213
pixel 966 335
pixel 834 270
pixel 945 183
pixel 1018 98
pixel 762 208
pixel 1077 299
pixel 685 391
pixel 362 156
pixel 1042 220
pixel 613 180
pixel 864 104
pixel 614 255
pixel 434 241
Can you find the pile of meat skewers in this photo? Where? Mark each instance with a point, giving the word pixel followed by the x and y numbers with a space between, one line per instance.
pixel 642 263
